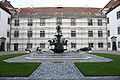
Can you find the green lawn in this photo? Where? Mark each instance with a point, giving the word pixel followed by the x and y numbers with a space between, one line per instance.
pixel 16 69
pixel 101 68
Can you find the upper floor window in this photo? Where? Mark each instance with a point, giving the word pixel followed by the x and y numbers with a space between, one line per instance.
pixel 16 22
pixel 100 34
pixel 73 45
pixel 108 33
pixel 118 14
pixel 108 20
pixel 90 45
pixel 90 33
pixel 73 33
pixel 16 33
pixel 73 22
pixel 100 45
pixel 29 34
pixel 9 20
pixel 42 22
pixel 90 22
pixel 99 22
pixel 59 21
pixel 30 22
pixel 42 33
pixel 8 34
pixel 118 30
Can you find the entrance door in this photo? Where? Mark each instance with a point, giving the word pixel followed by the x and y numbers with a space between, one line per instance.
pixel 114 48
pixel 2 47
pixel 15 46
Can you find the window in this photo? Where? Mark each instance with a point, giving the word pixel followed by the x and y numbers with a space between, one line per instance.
pixel 30 22
pixel 8 34
pixel 90 45
pixel 29 45
pixel 73 45
pixel 90 33
pixel 108 33
pixel 59 21
pixel 73 22
pixel 108 45
pixel 118 30
pixel 29 34
pixel 73 33
pixel 90 23
pixel 108 20
pixel 118 44
pixel 100 34
pixel 42 33
pixel 16 22
pixel 100 45
pixel 118 14
pixel 42 45
pixel 42 22
pixel 9 20
pixel 16 33
pixel 99 22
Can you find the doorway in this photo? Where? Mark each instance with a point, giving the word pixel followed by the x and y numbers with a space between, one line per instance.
pixel 15 46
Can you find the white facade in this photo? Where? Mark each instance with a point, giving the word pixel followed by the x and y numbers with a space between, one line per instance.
pixel 113 25
pixel 4 26
pixel 81 28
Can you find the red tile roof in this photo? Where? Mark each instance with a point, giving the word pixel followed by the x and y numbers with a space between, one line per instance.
pixel 47 12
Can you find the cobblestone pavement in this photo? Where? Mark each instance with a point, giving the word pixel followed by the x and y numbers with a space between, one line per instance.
pixel 56 70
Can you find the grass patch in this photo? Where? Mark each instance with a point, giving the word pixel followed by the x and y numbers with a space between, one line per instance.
pixel 101 68
pixel 16 69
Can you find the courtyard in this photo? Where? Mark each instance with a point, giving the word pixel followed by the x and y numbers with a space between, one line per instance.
pixel 104 65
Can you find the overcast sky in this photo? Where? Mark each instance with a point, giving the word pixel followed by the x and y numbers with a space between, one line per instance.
pixel 54 3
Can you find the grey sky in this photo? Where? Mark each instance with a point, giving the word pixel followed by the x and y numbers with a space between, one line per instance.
pixel 54 3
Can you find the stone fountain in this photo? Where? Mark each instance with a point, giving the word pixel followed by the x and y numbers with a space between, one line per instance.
pixel 58 44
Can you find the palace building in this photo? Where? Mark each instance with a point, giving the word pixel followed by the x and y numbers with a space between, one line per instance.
pixel 81 26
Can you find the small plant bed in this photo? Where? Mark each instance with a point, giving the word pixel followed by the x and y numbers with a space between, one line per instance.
pixel 100 68
pixel 16 69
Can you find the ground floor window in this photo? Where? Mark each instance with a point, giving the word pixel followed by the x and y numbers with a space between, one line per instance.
pixel 42 45
pixel 100 45
pixel 90 45
pixel 29 45
pixel 73 45
pixel 118 44
pixel 108 45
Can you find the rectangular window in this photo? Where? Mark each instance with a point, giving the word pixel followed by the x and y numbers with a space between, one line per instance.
pixel 42 45
pixel 73 45
pixel 100 45
pixel 59 21
pixel 30 22
pixel 108 20
pixel 42 22
pixel 118 14
pixel 100 34
pixel 73 22
pixel 99 22
pixel 16 22
pixel 108 45
pixel 118 30
pixel 42 33
pixel 90 23
pixel 73 33
pixel 16 33
pixel 118 44
pixel 90 45
pixel 8 34
pixel 108 33
pixel 9 20
pixel 29 45
pixel 29 34
pixel 90 33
